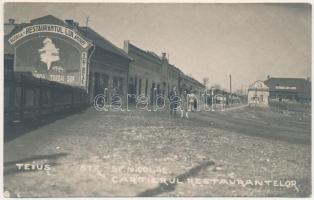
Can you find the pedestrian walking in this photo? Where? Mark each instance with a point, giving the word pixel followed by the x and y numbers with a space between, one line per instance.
pixel 195 102
pixel 192 99
pixel 184 105
pixel 174 100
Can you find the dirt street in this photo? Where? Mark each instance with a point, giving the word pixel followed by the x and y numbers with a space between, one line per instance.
pixel 241 152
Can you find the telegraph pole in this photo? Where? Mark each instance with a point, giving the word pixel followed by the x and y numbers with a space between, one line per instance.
pixel 87 20
pixel 230 84
pixel 212 98
pixel 230 101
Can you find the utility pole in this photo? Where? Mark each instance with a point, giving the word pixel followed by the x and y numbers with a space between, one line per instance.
pixel 87 20
pixel 230 84
pixel 230 90
pixel 212 98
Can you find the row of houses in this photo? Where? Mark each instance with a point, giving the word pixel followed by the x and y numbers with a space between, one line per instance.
pixel 63 51
pixel 278 89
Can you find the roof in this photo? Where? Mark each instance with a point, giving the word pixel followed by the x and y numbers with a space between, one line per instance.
pixel 175 68
pixel 153 54
pixel 48 19
pixel 87 32
pixel 258 85
pixel 300 85
pixel 193 80
pixel 102 42
pixel 149 54
pixel 8 28
pixel 41 20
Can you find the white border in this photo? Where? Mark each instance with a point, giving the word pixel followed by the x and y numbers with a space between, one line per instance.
pixel 136 1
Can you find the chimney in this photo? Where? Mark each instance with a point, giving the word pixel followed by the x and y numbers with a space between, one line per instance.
pixel 164 56
pixel 268 77
pixel 69 22
pixel 126 45
pixel 11 21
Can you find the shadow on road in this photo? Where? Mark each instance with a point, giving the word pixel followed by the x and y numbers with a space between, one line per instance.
pixel 168 186
pixel 14 130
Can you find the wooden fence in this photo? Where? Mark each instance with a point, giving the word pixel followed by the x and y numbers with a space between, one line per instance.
pixel 290 106
pixel 28 97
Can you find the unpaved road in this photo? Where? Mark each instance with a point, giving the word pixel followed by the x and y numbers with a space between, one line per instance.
pixel 243 152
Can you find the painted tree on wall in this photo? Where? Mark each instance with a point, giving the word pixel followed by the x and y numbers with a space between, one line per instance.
pixel 49 53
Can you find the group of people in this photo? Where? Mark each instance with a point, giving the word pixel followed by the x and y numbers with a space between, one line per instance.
pixel 184 103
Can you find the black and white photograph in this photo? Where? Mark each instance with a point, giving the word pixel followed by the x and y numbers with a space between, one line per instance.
pixel 156 99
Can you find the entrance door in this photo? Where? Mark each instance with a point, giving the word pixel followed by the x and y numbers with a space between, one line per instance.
pixel 97 85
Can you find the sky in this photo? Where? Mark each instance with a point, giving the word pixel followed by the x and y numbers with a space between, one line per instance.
pixel 248 41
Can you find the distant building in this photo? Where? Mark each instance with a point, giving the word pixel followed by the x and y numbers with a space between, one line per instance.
pixel 258 94
pixel 289 89
pixel 192 86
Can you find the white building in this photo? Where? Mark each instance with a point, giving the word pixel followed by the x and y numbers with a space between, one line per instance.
pixel 258 94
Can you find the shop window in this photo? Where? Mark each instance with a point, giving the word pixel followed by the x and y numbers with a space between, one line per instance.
pixel 104 81
pixel 135 85
pixel 146 87
pixel 158 88
pixel 140 86
pixel 117 86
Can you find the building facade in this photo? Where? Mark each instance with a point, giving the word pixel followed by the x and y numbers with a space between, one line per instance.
pixel 289 89
pixel 192 86
pixel 61 51
pixel 258 94
pixel 145 72
pixel 149 71
pixel 64 52
pixel 109 67
pixel 173 76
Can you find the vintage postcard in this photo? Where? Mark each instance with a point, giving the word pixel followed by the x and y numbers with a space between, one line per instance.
pixel 106 99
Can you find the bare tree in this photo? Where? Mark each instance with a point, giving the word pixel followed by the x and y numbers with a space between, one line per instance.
pixel 217 86
pixel 240 92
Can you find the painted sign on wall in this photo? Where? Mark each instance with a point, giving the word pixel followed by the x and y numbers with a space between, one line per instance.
pixel 49 28
pixel 53 50
pixel 53 59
